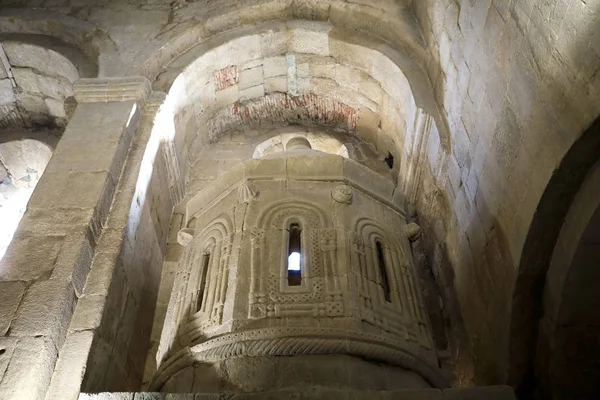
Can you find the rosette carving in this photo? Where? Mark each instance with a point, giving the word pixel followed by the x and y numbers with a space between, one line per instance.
pixel 342 194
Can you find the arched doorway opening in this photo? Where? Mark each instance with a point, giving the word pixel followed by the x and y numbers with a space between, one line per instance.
pixel 547 339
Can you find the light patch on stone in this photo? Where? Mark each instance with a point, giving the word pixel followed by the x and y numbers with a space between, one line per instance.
pixel 12 209
pixel 7 95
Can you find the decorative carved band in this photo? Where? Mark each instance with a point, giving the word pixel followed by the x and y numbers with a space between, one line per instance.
pixel 295 341
pixel 103 90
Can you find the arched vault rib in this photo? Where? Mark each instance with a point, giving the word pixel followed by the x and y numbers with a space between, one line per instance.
pixel 353 73
pixel 81 42
pixel 389 20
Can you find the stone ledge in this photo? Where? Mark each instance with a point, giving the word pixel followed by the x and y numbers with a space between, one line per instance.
pixel 103 90
pixel 478 393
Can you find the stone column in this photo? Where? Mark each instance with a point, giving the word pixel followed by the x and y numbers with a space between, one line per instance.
pixel 45 268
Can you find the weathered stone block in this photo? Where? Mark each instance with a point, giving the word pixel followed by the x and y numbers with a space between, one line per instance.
pixel 303 167
pixel 310 42
pixel 367 125
pixel 7 348
pixel 250 77
pixel 276 84
pixel 254 92
pixel 6 92
pixel 71 366
pixel 274 66
pixel 29 258
pixel 30 369
pixel 10 298
pixel 73 263
pixel 227 96
pixel 46 311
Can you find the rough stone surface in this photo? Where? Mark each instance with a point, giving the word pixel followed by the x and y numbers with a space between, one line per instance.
pixel 468 106
pixel 226 300
pixel 495 393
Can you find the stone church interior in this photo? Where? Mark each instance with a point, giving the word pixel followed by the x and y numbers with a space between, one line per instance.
pixel 299 199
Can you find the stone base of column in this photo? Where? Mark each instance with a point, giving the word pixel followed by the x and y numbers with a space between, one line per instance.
pixel 308 372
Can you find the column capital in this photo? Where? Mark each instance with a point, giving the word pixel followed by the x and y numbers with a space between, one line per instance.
pixel 154 102
pixel 103 90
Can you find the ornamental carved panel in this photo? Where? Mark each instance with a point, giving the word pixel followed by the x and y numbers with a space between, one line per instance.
pixel 319 293
pixel 401 312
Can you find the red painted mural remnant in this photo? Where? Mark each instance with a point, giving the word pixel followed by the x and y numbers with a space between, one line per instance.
pixel 307 108
pixel 226 77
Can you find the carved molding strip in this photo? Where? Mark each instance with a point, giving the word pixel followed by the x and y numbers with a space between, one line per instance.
pixel 103 90
pixel 295 341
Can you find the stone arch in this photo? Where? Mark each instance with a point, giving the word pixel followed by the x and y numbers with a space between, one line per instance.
pixel 38 71
pixel 406 294
pixel 85 64
pixel 206 96
pixel 268 218
pixel 533 275
pixel 568 350
pixel 319 141
pixel 384 22
pixel 216 238
pixel 186 324
pixel 405 68
pixel 79 41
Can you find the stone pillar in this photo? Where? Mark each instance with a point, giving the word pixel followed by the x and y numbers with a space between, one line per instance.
pixel 109 334
pixel 45 268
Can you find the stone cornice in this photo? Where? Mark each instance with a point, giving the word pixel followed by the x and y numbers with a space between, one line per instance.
pixel 103 90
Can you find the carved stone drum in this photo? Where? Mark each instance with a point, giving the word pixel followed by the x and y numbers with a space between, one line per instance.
pixel 297 274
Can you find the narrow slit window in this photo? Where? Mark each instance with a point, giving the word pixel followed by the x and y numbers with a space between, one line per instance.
pixel 294 259
pixel 383 270
pixel 204 275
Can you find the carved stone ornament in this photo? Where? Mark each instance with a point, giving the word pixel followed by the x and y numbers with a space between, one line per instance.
pixel 185 236
pixel 413 231
pixel 342 194
pixel 247 192
pixel 102 90
pixel 294 342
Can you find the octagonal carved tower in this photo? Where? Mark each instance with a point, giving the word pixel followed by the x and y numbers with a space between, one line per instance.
pixel 297 273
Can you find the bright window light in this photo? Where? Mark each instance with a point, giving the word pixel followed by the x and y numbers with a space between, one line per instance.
pixel 11 211
pixel 294 262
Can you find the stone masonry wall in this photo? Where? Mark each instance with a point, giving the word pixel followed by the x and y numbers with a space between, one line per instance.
pixel 518 81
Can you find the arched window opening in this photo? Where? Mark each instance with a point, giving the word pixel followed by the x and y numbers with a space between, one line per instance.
pixel 383 271
pixel 294 259
pixel 203 276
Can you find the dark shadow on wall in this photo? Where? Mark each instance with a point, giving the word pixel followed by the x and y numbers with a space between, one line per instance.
pixel 121 341
pixel 527 308
pixel 492 265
